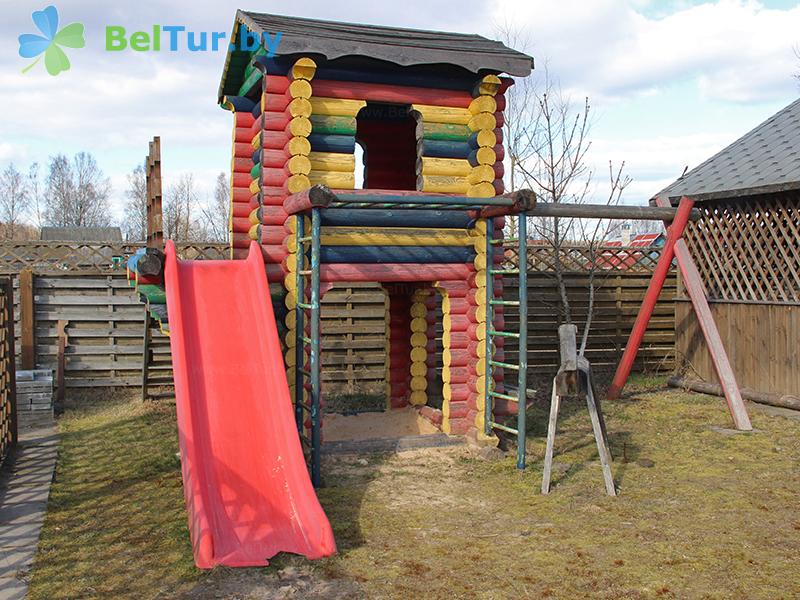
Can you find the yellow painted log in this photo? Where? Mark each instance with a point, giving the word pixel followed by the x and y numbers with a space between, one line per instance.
pixel 482 121
pixel 480 174
pixel 333 179
pixel 254 186
pixel 443 114
pixel 485 156
pixel 299 127
pixel 418 309
pixel 299 107
pixel 394 236
pixel 291 223
pixel 332 161
pixel 253 217
pixel 443 184
pixel 419 324
pixel 483 104
pixel 419 369
pixel 299 146
pixel 290 300
pixel 419 338
pixel 481 190
pixel 419 384
pixel 300 88
pixel 418 398
pixel 458 167
pixel 489 85
pixel 253 232
pixel 298 165
pixel 336 107
pixel 290 339
pixel 290 320
pixel 486 138
pixel 297 183
pixel 418 354
pixel 303 68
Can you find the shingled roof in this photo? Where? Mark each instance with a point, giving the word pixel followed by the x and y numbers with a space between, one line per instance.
pixel 332 40
pixel 765 160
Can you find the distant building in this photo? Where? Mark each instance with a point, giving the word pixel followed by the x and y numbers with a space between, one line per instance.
pixel 81 234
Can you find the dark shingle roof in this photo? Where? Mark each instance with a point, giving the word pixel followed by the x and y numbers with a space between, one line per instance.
pixel 81 234
pixel 765 160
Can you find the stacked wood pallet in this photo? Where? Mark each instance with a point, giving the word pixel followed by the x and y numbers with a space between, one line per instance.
pixel 35 391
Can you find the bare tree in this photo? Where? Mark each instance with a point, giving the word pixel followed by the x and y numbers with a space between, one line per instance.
pixel 179 204
pixel 14 201
pixel 216 214
pixel 77 192
pixel 135 226
pixel 35 198
pixel 548 153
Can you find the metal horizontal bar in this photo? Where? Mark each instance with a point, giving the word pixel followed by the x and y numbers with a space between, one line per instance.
pixel 496 363
pixel 505 302
pixel 504 428
pixel 504 396
pixel 305 238
pixel 304 305
pixel 503 334
pixel 306 339
pixel 306 372
pixel 504 241
pixel 305 272
pixel 605 211
pixel 504 271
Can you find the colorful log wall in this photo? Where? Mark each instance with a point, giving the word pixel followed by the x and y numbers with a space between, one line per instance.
pixel 303 131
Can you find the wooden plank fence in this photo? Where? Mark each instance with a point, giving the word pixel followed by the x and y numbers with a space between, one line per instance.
pixel 8 397
pixel 106 321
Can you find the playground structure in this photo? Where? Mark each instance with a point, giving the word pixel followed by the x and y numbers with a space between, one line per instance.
pixel 427 108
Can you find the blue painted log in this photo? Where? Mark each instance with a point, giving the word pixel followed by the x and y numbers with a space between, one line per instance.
pixel 396 254
pixel 357 217
pixel 239 103
pixel 343 144
pixel 445 149
pixel 135 259
pixel 280 65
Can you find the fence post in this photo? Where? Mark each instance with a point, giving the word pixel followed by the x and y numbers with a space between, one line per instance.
pixel 27 319
pixel 12 368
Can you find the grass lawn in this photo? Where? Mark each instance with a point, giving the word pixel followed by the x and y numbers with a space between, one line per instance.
pixel 701 513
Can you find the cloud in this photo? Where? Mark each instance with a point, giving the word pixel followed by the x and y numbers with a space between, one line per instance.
pixel 735 50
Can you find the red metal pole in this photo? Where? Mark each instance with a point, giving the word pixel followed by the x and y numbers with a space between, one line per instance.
pixel 697 293
pixel 674 233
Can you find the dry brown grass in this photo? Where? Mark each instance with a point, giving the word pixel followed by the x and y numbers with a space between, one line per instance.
pixel 701 514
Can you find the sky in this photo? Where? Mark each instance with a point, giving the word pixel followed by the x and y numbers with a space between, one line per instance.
pixel 670 82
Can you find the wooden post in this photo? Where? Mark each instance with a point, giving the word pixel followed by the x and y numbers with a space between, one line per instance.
pixel 27 319
pixel 674 233
pixel 697 293
pixel 61 366
pixel 155 225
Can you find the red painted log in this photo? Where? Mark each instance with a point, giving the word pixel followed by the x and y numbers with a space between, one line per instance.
pixel 276 121
pixel 274 140
pixel 458 306
pixel 244 148
pixel 316 196
pixel 243 135
pixel 460 375
pixel 459 323
pixel 432 414
pixel 397 272
pixel 674 233
pixel 241 164
pixel 397 94
pixel 499 187
pixel 274 158
pixel 241 224
pixel 458 410
pixel 243 119
pixel 499 170
pixel 456 288
pixel 240 209
pixel 500 118
pixel 241 180
pixel 461 426
pixel 271 215
pixel 460 358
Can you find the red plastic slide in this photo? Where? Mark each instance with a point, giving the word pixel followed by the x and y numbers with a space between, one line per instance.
pixel 248 493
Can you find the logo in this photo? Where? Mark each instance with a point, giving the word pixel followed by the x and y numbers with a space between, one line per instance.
pixel 32 45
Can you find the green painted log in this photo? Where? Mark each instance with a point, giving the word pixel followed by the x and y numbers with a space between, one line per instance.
pixel 445 131
pixel 255 172
pixel 250 81
pixel 336 125
pixel 250 69
pixel 155 294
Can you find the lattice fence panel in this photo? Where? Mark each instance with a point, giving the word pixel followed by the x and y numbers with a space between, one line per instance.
pixel 749 249
pixel 584 258
pixel 8 411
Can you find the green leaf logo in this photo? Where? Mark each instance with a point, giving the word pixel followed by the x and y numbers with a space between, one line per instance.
pixel 33 45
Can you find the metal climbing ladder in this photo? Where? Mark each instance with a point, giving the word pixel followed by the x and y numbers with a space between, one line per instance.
pixel 308 261
pixel 521 336
pixel 308 244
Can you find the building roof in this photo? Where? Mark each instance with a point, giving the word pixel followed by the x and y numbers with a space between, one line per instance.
pixel 81 234
pixel 765 160
pixel 333 40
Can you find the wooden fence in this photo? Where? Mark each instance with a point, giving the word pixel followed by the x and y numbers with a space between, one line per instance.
pixel 8 399
pixel 105 321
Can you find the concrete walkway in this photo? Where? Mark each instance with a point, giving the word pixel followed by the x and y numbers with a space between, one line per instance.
pixel 24 489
